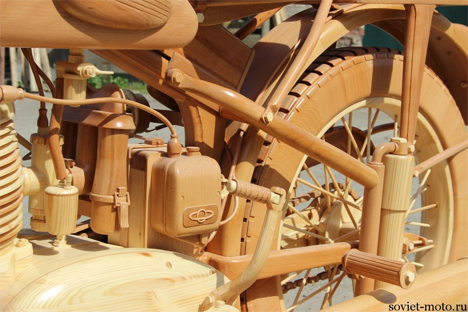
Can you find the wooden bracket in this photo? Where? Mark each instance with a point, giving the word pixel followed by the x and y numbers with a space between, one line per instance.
pixel 122 201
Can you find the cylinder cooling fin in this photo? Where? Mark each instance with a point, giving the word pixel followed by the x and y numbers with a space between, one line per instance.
pixel 11 186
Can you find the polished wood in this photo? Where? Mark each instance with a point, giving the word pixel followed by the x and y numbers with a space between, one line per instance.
pixel 416 41
pixel 11 188
pixel 68 267
pixel 230 291
pixel 230 66
pixel 450 152
pixel 278 128
pixel 397 191
pixel 110 174
pixel 61 210
pixel 256 22
pixel 65 31
pixel 370 224
pixel 394 272
pixel 129 14
pixel 228 63
pixel 446 284
pixel 280 261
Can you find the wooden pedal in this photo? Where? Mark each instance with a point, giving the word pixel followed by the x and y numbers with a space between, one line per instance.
pixel 379 268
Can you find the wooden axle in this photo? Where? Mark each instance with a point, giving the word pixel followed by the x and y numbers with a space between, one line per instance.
pixel 379 268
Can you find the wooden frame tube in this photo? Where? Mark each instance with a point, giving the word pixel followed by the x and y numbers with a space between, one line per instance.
pixel 370 224
pixel 276 127
pixel 418 26
pixel 281 261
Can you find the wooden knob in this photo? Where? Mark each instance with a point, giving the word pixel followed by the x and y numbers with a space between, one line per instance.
pixel 379 268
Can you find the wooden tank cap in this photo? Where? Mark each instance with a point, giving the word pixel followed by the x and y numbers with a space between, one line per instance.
pixel 390 271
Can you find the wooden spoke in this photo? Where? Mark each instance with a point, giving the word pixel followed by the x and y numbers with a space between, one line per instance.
pixel 315 292
pixel 370 131
pixel 292 227
pixel 421 189
pixel 418 224
pixel 328 193
pixel 298 295
pixel 420 249
pixel 353 141
pixel 325 303
pixel 299 213
pixel 311 174
pixel 342 237
pixel 343 200
pixel 290 277
pixel 422 209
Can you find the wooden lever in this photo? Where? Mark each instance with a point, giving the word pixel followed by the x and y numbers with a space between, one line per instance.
pixel 379 268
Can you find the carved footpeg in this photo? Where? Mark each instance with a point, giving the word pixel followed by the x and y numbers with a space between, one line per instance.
pixel 379 268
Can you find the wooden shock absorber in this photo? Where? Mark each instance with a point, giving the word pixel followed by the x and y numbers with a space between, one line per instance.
pixel 379 268
pixel 395 203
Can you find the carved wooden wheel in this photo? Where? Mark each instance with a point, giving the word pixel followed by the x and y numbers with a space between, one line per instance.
pixel 350 98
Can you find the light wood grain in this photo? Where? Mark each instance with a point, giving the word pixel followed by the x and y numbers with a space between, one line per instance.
pixel 127 14
pixel 89 276
pixel 281 261
pixel 54 28
pixel 446 284
pixel 395 203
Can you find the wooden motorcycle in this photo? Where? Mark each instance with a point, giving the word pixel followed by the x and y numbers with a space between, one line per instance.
pixel 275 197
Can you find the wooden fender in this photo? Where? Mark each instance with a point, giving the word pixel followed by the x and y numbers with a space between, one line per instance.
pixel 109 280
pixel 42 23
pixel 448 47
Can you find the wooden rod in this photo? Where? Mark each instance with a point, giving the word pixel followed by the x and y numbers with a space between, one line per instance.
pixel 281 261
pixel 256 22
pixel 370 224
pixel 292 74
pixel 277 127
pixel 434 160
pixel 418 26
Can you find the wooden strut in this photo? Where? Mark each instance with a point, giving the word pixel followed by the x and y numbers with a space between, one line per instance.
pixel 429 163
pixel 230 291
pixel 370 221
pixel 418 26
pixel 277 127
pixel 281 261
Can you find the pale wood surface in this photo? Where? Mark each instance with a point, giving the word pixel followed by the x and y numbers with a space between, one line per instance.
pixel 129 14
pixel 280 261
pixel 52 27
pixel 278 128
pixel 418 27
pixel 446 284
pixel 93 276
pixel 62 209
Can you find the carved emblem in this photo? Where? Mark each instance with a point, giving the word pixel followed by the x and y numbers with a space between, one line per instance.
pixel 201 215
